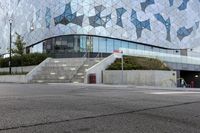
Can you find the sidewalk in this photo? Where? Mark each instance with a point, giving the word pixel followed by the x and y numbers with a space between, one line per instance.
pixel 126 86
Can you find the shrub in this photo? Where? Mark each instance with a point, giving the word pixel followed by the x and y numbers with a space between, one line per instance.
pixel 24 60
pixel 138 63
pixel 13 73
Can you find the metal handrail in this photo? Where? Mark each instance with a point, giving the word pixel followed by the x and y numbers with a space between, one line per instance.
pixel 162 56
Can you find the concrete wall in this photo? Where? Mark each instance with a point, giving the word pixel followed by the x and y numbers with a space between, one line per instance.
pixel 141 78
pixel 18 69
pixel 36 69
pixel 32 70
pixel 13 79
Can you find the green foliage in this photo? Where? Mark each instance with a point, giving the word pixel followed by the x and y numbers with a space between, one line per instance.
pixel 138 63
pixel 19 46
pixel 24 60
pixel 7 73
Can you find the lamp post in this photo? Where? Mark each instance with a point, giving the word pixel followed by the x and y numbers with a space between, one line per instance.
pixel 122 63
pixel 10 52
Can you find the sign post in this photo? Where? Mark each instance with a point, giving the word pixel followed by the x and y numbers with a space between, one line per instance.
pixel 122 68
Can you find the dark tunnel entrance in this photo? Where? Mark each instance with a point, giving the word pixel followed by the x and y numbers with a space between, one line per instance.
pixel 192 78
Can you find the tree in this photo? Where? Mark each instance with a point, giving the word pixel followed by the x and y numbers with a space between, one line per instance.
pixel 19 45
pixel 19 48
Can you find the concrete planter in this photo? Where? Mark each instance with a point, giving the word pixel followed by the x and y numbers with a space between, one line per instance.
pixel 13 79
pixel 18 69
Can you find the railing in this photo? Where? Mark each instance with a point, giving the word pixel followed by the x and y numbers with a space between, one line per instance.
pixel 162 56
pixel 99 67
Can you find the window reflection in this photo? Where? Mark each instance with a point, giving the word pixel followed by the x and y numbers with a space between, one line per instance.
pixel 148 48
pixel 89 44
pixel 37 48
pixel 132 45
pixel 125 45
pixel 117 44
pixel 110 45
pixel 102 45
pixel 96 44
pixel 82 44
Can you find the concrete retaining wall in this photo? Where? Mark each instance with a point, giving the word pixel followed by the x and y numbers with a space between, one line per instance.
pixel 21 78
pixel 18 69
pixel 36 69
pixel 141 78
pixel 13 79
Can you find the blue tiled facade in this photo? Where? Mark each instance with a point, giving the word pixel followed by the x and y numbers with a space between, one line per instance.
pixel 166 23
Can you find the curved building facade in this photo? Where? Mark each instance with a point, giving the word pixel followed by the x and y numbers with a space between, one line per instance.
pixel 106 25
pixel 4 26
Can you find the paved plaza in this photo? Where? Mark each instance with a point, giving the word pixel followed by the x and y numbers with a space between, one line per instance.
pixel 68 108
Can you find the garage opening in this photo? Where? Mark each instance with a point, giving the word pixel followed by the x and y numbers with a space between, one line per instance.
pixel 192 78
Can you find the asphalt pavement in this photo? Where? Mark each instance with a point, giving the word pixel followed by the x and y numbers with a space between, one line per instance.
pixel 68 108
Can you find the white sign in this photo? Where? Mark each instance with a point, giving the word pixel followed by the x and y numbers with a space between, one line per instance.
pixel 118 53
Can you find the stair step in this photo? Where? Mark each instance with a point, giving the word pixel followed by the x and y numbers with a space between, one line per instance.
pixel 64 70
pixel 79 78
pixel 79 74
pixel 75 82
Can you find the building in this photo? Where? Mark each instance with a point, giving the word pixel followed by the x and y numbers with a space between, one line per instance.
pixel 71 28
pixel 101 26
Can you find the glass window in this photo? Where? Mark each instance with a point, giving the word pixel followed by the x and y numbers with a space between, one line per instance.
pixel 49 45
pixel 125 45
pixel 117 44
pixel 163 50
pixel 156 49
pixel 132 45
pixel 83 42
pixel 177 52
pixel 68 43
pixel 95 44
pixel 170 51
pixel 140 47
pixel 76 43
pixel 59 41
pixel 148 48
pixel 89 44
pixel 102 45
pixel 37 48
pixel 110 45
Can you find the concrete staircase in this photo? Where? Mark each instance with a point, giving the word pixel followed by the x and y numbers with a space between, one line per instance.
pixel 66 70
pixel 58 70
pixel 80 75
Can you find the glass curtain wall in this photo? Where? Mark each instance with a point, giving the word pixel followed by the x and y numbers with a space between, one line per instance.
pixel 75 44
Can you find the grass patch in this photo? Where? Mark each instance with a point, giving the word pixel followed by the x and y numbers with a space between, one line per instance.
pixel 138 63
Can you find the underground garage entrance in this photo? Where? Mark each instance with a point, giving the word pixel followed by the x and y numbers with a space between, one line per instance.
pixel 192 78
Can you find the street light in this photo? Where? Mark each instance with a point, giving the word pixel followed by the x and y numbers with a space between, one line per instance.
pixel 10 59
pixel 32 28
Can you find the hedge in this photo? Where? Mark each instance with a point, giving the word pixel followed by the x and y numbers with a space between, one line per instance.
pixel 25 60
pixel 138 63
pixel 13 73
